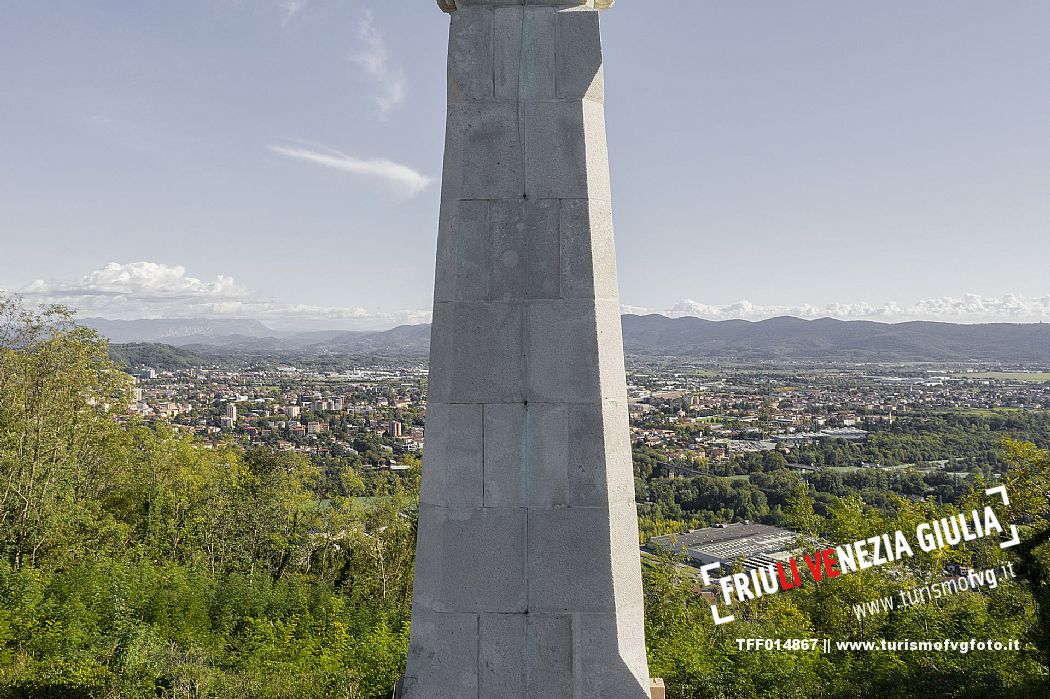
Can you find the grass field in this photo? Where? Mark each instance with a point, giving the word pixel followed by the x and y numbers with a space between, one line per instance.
pixel 1029 376
pixel 854 469
pixel 982 412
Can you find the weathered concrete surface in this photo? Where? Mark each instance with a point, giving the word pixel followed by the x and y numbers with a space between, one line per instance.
pixel 528 581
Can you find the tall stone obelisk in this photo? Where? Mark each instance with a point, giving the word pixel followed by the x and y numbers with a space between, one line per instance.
pixel 528 581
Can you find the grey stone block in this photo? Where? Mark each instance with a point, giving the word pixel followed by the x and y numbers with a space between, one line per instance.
pixel 606 654
pixel 445 270
pixel 570 544
pixel 550 656
pixel 471 559
pixel 566 546
pixel 507 264
pixel 599 187
pixel 586 467
pixel 482 251
pixel 574 459
pixel 453 458
pixel 562 345
pixel 556 150
pixel 543 243
pixel 588 254
pixel 463 253
pixel 619 467
pixel 470 73
pixel 486 141
pixel 579 70
pixel 505 430
pixel 548 454
pixel 537 60
pixel 477 353
pixel 442 656
pixel 603 251
pixel 506 51
pixel 566 154
pixel 625 561
pixel 577 262
pixel 610 355
pixel 502 656
pixel 442 355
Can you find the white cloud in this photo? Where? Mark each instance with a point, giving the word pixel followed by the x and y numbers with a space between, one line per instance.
pixel 374 58
pixel 141 279
pixel 402 178
pixel 137 290
pixel 154 290
pixel 969 308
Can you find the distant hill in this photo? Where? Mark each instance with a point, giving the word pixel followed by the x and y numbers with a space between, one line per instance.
pixel 404 339
pixel 157 356
pixel 176 331
pixel 783 338
pixel 828 339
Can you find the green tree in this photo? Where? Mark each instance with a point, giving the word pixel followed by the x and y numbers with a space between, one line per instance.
pixel 60 398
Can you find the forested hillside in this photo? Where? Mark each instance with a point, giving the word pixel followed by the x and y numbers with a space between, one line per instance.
pixel 157 356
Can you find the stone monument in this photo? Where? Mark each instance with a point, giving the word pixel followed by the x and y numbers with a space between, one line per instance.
pixel 528 581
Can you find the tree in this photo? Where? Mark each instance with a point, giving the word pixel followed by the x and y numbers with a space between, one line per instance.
pixel 60 397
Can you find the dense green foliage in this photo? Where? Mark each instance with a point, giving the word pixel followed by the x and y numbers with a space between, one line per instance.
pixel 938 455
pixel 701 660
pixel 136 563
pixel 969 440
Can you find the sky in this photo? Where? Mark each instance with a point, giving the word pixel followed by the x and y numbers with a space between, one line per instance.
pixel 281 159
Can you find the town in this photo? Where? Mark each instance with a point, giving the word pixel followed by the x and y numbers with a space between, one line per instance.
pixel 908 429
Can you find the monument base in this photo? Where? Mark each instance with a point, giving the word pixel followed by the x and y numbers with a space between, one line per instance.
pixel 657 690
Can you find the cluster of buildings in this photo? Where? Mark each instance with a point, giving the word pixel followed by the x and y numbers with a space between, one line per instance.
pixel 698 415
pixel 311 411
pixel 688 414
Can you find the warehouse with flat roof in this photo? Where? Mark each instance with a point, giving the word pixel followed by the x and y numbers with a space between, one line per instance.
pixel 753 545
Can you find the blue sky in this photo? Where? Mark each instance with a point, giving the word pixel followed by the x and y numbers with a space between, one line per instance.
pixel 279 159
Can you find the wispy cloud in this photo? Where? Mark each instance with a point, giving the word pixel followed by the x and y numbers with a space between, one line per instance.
pixel 291 8
pixel 402 178
pixel 968 308
pixel 135 290
pixel 374 58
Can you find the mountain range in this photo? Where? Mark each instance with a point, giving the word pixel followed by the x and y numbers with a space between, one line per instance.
pixel 783 338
